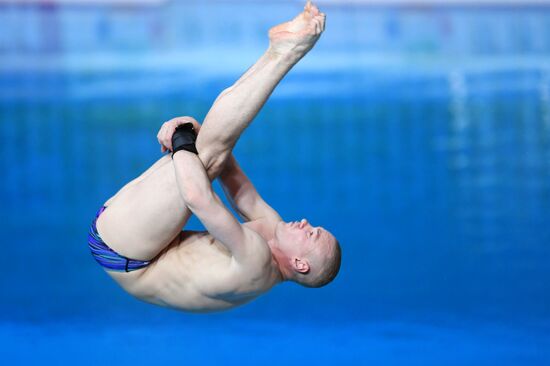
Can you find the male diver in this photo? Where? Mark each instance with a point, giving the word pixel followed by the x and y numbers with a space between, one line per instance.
pixel 137 235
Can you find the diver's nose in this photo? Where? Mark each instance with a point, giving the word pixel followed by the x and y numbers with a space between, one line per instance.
pixel 303 223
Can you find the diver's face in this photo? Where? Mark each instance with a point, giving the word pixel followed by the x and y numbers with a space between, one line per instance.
pixel 300 238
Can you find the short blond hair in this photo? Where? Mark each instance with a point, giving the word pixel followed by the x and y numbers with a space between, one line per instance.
pixel 327 274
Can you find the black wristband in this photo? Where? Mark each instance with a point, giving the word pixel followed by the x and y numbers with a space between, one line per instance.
pixel 184 139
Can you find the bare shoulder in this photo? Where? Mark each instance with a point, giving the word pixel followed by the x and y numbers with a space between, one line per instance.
pixel 258 253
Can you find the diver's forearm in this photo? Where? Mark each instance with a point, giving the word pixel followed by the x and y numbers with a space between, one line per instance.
pixel 238 189
pixel 193 183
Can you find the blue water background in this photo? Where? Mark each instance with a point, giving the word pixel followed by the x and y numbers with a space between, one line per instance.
pixel 419 135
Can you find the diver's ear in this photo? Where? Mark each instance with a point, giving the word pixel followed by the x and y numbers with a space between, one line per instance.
pixel 300 265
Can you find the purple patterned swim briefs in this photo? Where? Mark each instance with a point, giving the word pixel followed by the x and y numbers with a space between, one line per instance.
pixel 107 257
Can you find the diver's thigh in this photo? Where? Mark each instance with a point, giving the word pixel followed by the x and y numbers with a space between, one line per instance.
pixel 145 217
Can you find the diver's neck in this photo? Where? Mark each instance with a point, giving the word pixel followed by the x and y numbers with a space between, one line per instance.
pixel 279 259
pixel 262 227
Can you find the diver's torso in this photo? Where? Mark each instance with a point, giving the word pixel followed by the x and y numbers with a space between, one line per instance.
pixel 198 273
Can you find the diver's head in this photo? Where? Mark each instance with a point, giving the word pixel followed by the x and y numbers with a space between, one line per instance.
pixel 307 255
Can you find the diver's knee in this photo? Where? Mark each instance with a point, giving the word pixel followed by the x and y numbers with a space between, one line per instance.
pixel 213 161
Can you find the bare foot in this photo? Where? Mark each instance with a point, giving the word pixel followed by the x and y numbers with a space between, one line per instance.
pixel 299 35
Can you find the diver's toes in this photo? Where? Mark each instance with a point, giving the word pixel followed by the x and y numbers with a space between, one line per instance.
pixel 314 10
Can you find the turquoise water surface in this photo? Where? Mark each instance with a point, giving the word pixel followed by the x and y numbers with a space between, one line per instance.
pixel 419 136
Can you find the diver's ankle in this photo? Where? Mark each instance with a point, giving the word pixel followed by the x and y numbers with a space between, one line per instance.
pixel 285 57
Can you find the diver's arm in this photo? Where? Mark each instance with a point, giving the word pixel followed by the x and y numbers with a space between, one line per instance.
pixel 196 191
pixel 243 195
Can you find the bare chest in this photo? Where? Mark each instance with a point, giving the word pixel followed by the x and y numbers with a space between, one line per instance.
pixel 199 273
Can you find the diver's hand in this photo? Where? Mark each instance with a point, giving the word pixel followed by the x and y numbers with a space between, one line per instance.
pixel 167 129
